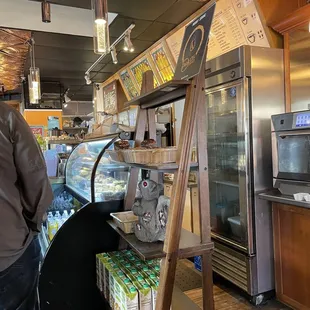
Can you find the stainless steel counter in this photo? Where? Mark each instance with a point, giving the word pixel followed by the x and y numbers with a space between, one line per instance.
pixel 276 196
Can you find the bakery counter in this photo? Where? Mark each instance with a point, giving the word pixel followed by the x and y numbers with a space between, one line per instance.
pixel 291 235
pixel 276 196
pixel 57 180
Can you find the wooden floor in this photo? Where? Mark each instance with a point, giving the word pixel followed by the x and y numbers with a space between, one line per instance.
pixel 227 298
pixel 226 295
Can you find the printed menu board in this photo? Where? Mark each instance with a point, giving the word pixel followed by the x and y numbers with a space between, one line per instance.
pixel 110 98
pixel 235 23
pixel 175 41
pixel 162 63
pixel 139 68
pixel 128 84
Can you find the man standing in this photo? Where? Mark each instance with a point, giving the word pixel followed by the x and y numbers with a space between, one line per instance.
pixel 25 194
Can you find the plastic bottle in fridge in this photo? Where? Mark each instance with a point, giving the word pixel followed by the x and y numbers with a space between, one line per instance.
pixel 58 219
pixel 52 226
pixel 65 216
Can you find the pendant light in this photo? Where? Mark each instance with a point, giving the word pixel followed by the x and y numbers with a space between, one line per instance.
pixel 101 27
pixel 46 11
pixel 34 78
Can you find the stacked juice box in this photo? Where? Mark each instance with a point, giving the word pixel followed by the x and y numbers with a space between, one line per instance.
pixel 126 281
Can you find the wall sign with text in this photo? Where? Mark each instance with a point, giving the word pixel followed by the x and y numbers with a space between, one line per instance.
pixel 194 44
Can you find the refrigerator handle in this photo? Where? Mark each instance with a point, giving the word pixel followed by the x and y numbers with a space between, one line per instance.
pixel 244 163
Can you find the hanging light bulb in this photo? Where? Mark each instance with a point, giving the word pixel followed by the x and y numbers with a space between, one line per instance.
pixel 101 26
pixel 34 83
pixel 114 55
pixel 46 11
pixel 128 46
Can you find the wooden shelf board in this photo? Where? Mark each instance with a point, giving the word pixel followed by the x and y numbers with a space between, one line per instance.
pixel 190 245
pixel 74 128
pixel 64 141
pixel 164 94
pixel 159 168
pixel 80 116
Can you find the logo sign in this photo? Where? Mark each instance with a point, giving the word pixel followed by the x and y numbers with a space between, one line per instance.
pixel 194 45
pixel 37 130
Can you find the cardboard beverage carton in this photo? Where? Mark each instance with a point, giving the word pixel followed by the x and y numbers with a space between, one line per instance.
pixel 98 272
pixel 154 287
pixel 126 295
pixel 105 271
pixel 113 274
pixel 145 294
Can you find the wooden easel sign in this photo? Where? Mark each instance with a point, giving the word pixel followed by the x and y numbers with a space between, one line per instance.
pixel 194 45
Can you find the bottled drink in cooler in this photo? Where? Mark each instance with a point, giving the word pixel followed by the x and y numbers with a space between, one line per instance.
pixel 52 225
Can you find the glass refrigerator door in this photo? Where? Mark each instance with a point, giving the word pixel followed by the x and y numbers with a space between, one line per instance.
pixel 228 175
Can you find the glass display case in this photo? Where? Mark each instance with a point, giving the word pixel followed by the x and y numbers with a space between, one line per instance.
pixel 91 175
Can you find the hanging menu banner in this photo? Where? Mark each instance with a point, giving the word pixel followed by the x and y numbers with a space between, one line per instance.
pixel 110 98
pixel 139 68
pixel 162 63
pixel 235 23
pixel 193 50
pixel 128 84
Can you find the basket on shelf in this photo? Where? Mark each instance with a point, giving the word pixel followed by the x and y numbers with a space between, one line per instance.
pixel 150 156
pixel 125 221
pixel 115 155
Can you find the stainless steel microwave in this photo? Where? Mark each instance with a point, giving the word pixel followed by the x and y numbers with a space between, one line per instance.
pixel 291 152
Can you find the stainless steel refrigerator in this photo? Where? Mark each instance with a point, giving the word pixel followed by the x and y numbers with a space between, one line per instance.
pixel 243 89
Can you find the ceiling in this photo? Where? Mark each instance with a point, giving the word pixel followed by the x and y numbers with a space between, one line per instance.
pixel 13 52
pixel 65 58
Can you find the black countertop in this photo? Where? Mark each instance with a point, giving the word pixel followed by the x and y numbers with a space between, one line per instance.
pixel 276 196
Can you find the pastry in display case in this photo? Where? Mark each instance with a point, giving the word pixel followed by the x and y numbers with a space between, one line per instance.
pixel 91 174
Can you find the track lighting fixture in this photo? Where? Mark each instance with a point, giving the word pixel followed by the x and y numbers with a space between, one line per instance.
pixel 128 46
pixel 112 50
pixel 46 11
pixel 101 26
pixel 66 98
pixel 114 55
pixel 87 79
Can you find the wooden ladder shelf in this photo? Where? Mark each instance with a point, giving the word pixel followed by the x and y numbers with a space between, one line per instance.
pixel 179 243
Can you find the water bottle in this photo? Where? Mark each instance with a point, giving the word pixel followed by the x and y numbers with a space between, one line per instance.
pixel 52 225
pixel 58 219
pixel 65 216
